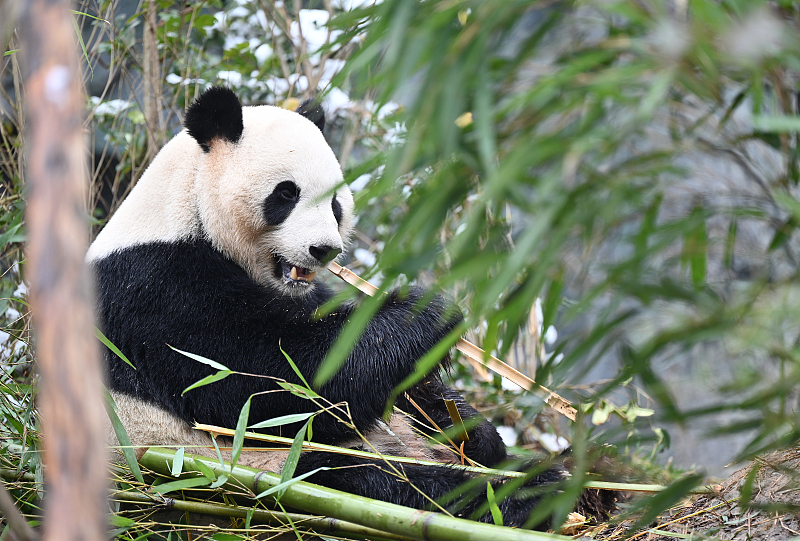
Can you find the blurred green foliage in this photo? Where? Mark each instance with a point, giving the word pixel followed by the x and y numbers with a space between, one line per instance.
pixel 570 182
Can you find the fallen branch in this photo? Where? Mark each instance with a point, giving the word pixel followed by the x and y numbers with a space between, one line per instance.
pixel 472 351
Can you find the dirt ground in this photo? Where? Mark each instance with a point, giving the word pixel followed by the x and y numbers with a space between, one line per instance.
pixel 774 513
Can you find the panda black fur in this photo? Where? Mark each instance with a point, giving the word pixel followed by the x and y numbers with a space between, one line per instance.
pixel 214 252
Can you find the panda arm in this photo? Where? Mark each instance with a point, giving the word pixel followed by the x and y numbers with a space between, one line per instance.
pixel 400 333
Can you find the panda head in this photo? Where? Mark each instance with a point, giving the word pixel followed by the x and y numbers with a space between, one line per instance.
pixel 270 192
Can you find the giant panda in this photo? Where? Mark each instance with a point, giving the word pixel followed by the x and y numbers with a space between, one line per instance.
pixel 215 251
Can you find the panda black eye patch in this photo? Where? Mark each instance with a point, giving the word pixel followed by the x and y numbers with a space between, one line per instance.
pixel 279 204
pixel 337 210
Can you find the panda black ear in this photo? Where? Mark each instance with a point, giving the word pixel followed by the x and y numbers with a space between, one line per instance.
pixel 312 110
pixel 216 113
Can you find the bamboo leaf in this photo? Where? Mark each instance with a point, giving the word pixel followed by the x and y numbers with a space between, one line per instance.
pixel 177 463
pixel 79 34
pixel 281 487
pixel 219 482
pixel 204 469
pixel 298 390
pixel 294 456
pixel 201 359
pixel 241 426
pixel 780 124
pixel 497 515
pixel 122 437
pixel 120 522
pixel 182 484
pixel 219 536
pixel 283 420
pixel 222 374
pixel 219 453
pixel 672 494
pixel 348 338
pixel 10 232
pixel 294 367
pixel 100 336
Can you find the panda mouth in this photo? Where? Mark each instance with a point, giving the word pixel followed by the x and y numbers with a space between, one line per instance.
pixel 292 274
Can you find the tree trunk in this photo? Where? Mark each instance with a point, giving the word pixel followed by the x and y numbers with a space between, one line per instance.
pixel 70 396
pixel 151 74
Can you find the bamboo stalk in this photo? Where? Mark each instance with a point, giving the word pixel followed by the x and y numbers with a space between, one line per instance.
pixel 383 516
pixel 472 351
pixel 312 446
pixel 13 475
pixel 260 516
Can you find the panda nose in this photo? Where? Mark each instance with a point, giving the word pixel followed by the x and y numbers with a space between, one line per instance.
pixel 324 254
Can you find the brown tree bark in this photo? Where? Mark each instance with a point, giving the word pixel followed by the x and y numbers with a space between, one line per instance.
pixel 151 75
pixel 70 396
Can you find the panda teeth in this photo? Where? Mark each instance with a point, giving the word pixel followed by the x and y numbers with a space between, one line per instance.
pixel 303 274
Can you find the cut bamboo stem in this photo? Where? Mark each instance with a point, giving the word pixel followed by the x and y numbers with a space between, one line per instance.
pixel 260 516
pixel 383 516
pixel 473 352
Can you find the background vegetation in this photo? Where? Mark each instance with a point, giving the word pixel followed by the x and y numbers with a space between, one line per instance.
pixel 623 172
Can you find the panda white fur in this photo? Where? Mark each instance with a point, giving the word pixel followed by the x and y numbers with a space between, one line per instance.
pixel 214 252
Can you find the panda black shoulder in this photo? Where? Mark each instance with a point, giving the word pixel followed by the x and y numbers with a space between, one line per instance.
pixel 216 113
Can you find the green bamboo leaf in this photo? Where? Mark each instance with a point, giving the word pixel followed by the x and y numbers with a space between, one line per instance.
pixel 655 505
pixel 294 456
pixel 120 522
pixel 699 256
pixel 497 515
pixel 204 469
pixel 241 426
pixel 284 485
pixel 83 13
pixel 219 482
pixel 298 390
pixel 114 349
pixel 294 367
pixel 283 420
pixel 219 453
pixel 222 374
pixel 730 243
pixel 347 340
pixel 122 437
pixel 780 124
pixel 219 536
pixel 7 53
pixel 201 359
pixel 177 463
pixel 182 484
pixel 83 45
pixel 9 233
pixel 747 486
